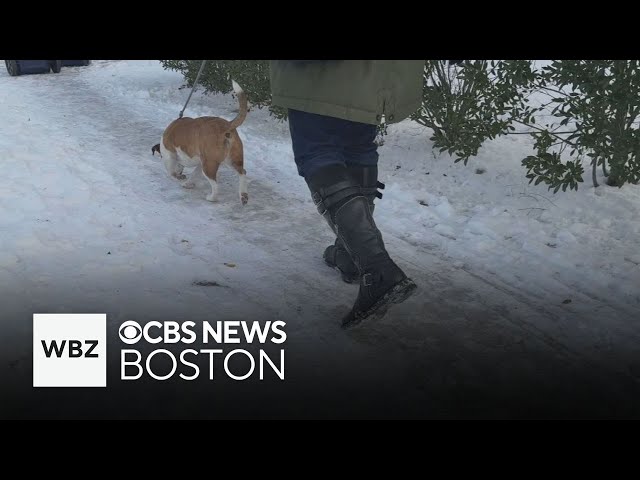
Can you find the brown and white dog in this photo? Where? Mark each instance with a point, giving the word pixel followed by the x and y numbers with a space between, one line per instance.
pixel 205 143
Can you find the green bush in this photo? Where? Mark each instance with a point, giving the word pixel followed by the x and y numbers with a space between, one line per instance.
pixel 591 108
pixel 252 75
pixel 599 102
pixel 469 104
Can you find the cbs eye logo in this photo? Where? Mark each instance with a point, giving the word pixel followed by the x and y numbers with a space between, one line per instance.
pixel 130 332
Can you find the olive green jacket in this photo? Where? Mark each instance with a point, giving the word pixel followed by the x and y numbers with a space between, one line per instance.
pixel 357 90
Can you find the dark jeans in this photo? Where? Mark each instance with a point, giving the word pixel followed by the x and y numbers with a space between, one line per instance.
pixel 319 141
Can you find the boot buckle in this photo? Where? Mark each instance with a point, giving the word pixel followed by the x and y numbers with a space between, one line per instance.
pixel 317 200
pixel 367 279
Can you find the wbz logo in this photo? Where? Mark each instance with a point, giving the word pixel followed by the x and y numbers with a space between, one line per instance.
pixel 69 350
pixel 74 350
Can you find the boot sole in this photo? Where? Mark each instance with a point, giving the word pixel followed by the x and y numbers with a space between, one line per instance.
pixel 398 294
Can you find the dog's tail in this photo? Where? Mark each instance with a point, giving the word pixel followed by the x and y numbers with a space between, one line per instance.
pixel 242 114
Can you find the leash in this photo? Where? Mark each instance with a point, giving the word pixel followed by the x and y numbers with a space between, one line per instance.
pixel 195 84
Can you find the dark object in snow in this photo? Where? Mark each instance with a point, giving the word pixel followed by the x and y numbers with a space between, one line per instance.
pixel 398 167
pixel 156 148
pixel 108 253
pixel 16 68
pixel 444 174
pixel 207 283
pixel 552 245
pixel 76 63
pixel 614 182
pixel 423 203
pixel 568 300
pixel 232 265
pixel 480 171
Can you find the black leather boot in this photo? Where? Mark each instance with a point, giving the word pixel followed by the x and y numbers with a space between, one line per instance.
pixel 336 255
pixel 340 200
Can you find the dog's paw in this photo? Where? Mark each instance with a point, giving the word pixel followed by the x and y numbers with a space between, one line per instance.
pixel 244 198
pixel 188 185
pixel 212 198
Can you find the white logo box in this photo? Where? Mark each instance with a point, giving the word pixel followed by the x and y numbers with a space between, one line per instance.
pixel 75 359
